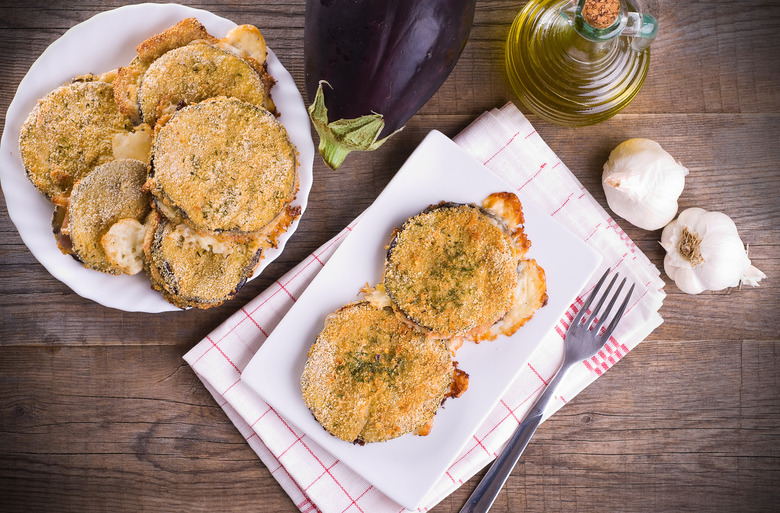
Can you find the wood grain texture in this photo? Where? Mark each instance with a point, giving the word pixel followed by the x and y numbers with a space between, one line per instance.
pixel 98 411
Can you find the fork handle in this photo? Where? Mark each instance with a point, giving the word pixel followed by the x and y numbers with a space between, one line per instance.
pixel 487 490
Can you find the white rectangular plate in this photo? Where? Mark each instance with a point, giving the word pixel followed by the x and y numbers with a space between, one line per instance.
pixel 405 469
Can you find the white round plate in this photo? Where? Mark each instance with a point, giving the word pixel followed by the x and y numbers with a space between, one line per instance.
pixel 102 43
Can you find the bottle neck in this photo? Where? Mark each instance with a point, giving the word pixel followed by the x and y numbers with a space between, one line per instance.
pixel 587 51
pixel 600 21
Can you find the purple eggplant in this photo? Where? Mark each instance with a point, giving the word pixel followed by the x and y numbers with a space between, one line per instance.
pixel 371 64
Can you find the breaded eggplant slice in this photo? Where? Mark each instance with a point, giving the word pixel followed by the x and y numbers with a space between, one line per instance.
pixel 181 34
pixel 226 166
pixel 112 192
pixel 127 84
pixel 128 79
pixel 371 377
pixel 246 41
pixel 193 73
pixel 69 133
pixel 452 269
pixel 530 293
pixel 193 269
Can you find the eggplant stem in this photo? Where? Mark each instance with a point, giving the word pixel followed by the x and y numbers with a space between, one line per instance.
pixel 341 137
pixel 332 152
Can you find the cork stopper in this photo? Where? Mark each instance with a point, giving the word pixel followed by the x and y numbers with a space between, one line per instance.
pixel 600 14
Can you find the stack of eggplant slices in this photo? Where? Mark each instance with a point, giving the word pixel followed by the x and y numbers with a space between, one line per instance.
pixel 383 365
pixel 175 165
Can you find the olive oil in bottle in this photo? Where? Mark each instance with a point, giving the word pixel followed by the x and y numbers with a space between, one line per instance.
pixel 578 63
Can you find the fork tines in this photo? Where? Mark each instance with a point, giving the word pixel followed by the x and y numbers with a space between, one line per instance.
pixel 596 314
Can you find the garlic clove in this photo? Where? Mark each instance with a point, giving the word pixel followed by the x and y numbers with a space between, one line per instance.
pixel 685 279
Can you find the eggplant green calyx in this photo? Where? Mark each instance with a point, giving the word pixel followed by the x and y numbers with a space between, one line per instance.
pixel 340 137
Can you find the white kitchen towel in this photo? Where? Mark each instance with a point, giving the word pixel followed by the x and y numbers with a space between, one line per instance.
pixel 506 143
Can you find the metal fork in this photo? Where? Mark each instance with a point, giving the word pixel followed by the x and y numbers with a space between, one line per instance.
pixel 583 340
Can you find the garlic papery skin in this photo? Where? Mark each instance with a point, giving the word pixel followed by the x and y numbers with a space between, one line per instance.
pixel 704 252
pixel 642 183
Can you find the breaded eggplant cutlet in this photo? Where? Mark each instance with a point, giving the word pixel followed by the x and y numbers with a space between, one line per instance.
pixel 456 270
pixel 111 193
pixel 371 377
pixel 194 73
pixel 185 65
pixel 69 133
pixel 451 269
pixel 225 166
pixel 195 269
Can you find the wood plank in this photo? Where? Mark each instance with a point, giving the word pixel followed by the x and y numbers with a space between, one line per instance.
pixel 136 418
pixel 688 73
pixel 125 428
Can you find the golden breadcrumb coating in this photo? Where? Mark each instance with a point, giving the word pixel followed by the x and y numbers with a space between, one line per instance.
pixel 530 296
pixel 451 269
pixel 69 133
pixel 196 269
pixel 181 34
pixel 192 78
pixel 226 166
pixel 193 73
pixel 370 377
pixel 460 279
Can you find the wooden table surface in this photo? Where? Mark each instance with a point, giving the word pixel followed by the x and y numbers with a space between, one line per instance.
pixel 99 412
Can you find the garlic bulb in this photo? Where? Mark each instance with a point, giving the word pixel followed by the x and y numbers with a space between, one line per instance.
pixel 704 252
pixel 642 183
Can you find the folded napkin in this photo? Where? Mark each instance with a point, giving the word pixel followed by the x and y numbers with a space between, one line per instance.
pixel 505 142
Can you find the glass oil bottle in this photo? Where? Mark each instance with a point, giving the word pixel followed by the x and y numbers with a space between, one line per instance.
pixel 578 63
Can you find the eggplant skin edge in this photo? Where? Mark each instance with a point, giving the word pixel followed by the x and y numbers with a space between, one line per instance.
pixel 378 61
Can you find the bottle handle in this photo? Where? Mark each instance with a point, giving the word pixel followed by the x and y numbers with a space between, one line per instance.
pixel 642 29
